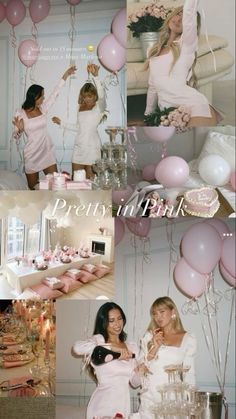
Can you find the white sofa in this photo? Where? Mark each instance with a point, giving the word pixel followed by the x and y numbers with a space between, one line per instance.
pixel 137 78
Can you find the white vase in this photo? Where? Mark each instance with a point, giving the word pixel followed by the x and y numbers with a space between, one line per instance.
pixel 148 39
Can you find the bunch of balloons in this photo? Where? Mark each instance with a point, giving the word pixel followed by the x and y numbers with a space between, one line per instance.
pixel 111 50
pixel 204 245
pixel 138 226
pixel 15 11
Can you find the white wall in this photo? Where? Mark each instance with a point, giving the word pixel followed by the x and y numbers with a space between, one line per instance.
pixel 135 293
pixel 93 21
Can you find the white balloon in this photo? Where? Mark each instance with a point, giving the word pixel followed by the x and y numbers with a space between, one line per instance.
pixel 214 170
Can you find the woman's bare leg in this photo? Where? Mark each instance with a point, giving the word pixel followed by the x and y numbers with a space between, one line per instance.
pixel 50 169
pixel 198 121
pixel 32 179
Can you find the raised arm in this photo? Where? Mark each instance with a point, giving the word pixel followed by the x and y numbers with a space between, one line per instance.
pixel 189 35
pixel 47 103
pixel 18 125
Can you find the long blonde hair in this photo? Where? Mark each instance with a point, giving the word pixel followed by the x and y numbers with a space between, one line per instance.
pixel 164 35
pixel 169 303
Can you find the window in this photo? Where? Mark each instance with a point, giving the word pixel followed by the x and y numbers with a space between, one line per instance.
pixel 22 239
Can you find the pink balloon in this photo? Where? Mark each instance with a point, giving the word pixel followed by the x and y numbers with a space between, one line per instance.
pixel 228 255
pixel 2 12
pixel 39 10
pixel 15 12
pixel 219 225
pixel 119 230
pixel 111 54
pixel 141 228
pixel 233 181
pixel 120 197
pixel 201 247
pixel 148 172
pixel 73 2
pixel 118 27
pixel 226 275
pixel 172 171
pixel 159 134
pixel 189 281
pixel 28 52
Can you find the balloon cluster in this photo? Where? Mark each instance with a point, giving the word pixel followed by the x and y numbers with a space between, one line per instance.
pixel 138 226
pixel 15 11
pixel 111 50
pixel 204 245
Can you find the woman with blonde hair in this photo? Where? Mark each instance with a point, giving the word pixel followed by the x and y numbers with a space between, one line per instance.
pixel 171 62
pixel 165 342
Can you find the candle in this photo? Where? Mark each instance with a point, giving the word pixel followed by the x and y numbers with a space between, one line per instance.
pixel 47 341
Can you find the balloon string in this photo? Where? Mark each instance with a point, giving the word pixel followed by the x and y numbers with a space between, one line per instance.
pixel 173 257
pixel 34 31
pixel 226 407
pixel 121 96
pixel 208 344
pixel 217 330
pixel 135 284
pixel 228 336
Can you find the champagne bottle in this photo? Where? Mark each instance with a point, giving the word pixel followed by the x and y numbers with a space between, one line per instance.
pixel 102 355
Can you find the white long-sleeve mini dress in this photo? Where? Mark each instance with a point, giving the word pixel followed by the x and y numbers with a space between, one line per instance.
pixel 113 378
pixel 39 150
pixel 166 355
pixel 168 86
pixel 87 146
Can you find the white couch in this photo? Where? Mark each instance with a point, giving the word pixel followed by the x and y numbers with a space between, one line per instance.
pixel 137 79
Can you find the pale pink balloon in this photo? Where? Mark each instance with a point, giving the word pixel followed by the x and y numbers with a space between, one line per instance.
pixel 188 281
pixel 119 230
pixel 148 172
pixel 120 197
pixel 2 12
pixel 111 54
pixel 201 246
pixel 159 134
pixel 118 27
pixel 220 226
pixel 228 255
pixel 39 10
pixel 15 12
pixel 227 276
pixel 233 181
pixel 172 171
pixel 28 52
pixel 74 2
pixel 141 228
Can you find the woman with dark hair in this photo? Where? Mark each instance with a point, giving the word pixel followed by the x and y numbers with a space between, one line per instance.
pixel 91 112
pixel 32 120
pixel 112 376
pixel 172 61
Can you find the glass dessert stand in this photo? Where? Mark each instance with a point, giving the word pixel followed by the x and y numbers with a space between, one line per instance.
pixel 111 169
pixel 178 399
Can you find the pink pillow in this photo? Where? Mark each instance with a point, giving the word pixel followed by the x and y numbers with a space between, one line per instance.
pixel 89 267
pixel 45 292
pixel 53 283
pixel 74 273
pixel 102 270
pixel 69 284
pixel 87 277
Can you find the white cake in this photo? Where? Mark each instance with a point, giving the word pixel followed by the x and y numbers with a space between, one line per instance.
pixel 79 175
pixel 59 182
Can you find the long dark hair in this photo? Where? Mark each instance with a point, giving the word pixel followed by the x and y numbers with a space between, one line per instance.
pixel 33 93
pixel 102 320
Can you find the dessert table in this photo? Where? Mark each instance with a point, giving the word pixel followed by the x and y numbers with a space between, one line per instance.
pixel 21 277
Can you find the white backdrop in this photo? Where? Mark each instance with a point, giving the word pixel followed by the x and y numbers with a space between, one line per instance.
pixel 93 22
pixel 138 284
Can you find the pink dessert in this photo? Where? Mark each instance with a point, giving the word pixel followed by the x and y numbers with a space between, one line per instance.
pixel 203 202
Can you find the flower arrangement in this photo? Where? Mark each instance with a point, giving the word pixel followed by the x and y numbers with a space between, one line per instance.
pixel 176 117
pixel 148 19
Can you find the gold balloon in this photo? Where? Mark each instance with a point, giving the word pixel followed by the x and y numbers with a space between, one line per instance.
pixel 90 48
